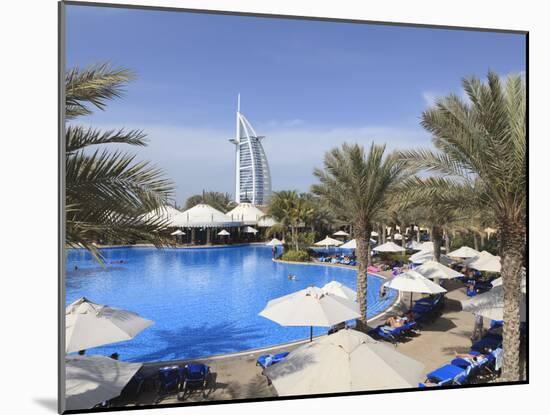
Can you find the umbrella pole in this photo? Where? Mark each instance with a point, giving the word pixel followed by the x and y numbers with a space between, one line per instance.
pixel 310 333
pixel 411 306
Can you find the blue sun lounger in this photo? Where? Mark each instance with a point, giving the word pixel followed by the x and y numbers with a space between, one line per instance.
pixel 392 334
pixel 449 374
pixel 267 360
pixel 194 376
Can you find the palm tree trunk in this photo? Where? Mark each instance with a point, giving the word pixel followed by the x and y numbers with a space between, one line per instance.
pixel 476 244
pixel 513 250
pixel 437 238
pixel 447 243
pixel 481 240
pixel 362 238
pixel 383 233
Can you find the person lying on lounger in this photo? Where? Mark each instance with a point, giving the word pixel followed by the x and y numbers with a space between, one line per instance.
pixel 472 358
pixel 395 322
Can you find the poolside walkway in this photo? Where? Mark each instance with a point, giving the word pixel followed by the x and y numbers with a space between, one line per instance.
pixel 238 377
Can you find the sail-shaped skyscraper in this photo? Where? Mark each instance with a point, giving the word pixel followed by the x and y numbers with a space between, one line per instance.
pixel 252 175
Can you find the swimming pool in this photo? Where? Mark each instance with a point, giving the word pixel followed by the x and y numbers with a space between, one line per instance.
pixel 203 301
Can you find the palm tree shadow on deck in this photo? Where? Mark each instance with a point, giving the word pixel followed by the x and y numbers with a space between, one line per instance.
pixel 193 342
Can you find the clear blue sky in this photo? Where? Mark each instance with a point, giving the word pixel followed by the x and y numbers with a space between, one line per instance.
pixel 306 85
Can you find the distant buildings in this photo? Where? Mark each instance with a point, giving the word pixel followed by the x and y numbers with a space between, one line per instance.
pixel 252 175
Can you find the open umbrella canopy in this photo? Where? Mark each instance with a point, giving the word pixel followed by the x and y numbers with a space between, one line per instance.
pixel 90 380
pixel 349 245
pixel 373 233
pixel 346 361
pixel 90 325
pixel 341 290
pixel 490 304
pixel 413 282
pixel 397 237
pixel 415 246
pixel 178 232
pixel 434 269
pixel 250 229
pixel 223 232
pixel 389 247
pixel 427 246
pixel 464 252
pixel 485 261
pixel 340 233
pixel 425 256
pixel 328 242
pixel 274 242
pixel 310 307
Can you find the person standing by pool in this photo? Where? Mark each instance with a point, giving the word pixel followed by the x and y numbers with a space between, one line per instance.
pixel 273 251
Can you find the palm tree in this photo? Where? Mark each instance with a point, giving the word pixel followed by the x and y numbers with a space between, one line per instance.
pixel 292 210
pixel 481 147
pixel 357 186
pixel 107 193
pixel 218 200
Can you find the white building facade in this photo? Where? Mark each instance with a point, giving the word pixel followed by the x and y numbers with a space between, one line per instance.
pixel 252 174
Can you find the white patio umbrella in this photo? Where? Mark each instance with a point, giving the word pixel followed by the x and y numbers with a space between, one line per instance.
pixel 485 261
pixel 352 244
pixel 413 282
pixel 328 242
pixel 427 246
pixel 434 269
pixel 274 242
pixel 310 307
pixel 250 229
pixel 349 245
pixel 490 304
pixel 415 246
pixel 464 252
pixel 339 289
pixel 223 232
pixel 90 325
pixel 90 380
pixel 346 361
pixel 424 256
pixel 389 247
pixel 178 232
pixel 340 233
pixel 398 237
pixel 373 233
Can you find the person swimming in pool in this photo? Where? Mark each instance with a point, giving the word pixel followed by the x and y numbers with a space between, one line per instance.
pixel 292 277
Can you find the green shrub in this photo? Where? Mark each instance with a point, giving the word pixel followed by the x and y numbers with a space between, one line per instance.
pixel 295 256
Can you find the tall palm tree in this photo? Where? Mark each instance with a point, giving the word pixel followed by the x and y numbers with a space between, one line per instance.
pixel 357 186
pixel 292 210
pixel 218 200
pixel 481 146
pixel 107 193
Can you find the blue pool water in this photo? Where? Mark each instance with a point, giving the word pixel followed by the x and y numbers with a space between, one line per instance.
pixel 203 301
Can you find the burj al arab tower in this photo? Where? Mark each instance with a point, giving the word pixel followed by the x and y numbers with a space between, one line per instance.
pixel 252 176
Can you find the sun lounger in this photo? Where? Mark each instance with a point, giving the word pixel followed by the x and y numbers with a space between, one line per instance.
pixel 168 381
pixel 267 360
pixel 449 374
pixel 194 376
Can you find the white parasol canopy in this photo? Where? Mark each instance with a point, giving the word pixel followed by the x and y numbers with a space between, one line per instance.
pixel 328 242
pixel 425 256
pixel 397 237
pixel 90 325
pixel 223 232
pixel 490 304
pixel 389 247
pixel 346 361
pixel 434 269
pixel 178 232
pixel 90 380
pixel 464 252
pixel 246 213
pixel 204 216
pixel 250 229
pixel 340 233
pixel 341 290
pixel 485 261
pixel 415 246
pixel 310 307
pixel 413 282
pixel 274 242
pixel 498 282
